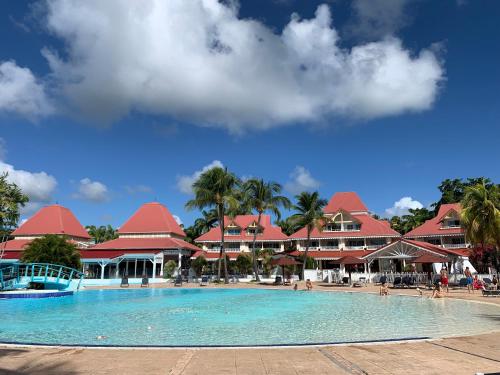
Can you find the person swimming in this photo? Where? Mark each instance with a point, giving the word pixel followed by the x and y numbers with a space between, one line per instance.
pixel 309 284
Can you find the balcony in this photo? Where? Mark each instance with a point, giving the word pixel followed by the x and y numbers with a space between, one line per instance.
pixel 454 245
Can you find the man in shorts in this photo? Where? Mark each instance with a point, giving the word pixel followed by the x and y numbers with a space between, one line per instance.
pixel 468 276
pixel 444 278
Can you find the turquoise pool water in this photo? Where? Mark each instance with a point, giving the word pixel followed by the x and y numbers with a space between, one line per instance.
pixel 205 317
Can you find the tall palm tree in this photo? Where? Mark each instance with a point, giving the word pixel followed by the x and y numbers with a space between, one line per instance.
pixel 215 189
pixel 310 215
pixel 102 233
pixel 481 214
pixel 261 196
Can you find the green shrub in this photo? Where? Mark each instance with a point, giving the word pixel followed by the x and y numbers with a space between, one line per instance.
pixel 169 269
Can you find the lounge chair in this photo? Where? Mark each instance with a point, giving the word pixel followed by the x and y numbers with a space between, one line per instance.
pixel 345 280
pixel 408 281
pixel 397 282
pixel 124 282
pixel 382 280
pixel 362 281
pixel 204 281
pixel 487 282
pixel 278 280
pixel 178 281
pixel 145 282
pixel 462 283
pixel 490 292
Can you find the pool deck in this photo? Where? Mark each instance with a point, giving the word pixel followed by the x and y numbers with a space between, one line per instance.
pixel 460 355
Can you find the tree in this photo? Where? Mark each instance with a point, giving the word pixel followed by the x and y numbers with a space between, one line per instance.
pixel 263 196
pixel 52 249
pixel 169 268
pixel 288 226
pixel 243 264
pixel 215 189
pixel 102 233
pixel 11 199
pixel 481 215
pixel 309 214
pixel 453 191
pixel 201 225
pixel 199 264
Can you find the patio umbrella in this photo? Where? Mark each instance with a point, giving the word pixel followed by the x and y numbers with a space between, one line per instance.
pixel 284 260
pixel 349 261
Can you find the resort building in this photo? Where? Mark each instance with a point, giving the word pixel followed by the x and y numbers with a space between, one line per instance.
pixel 348 230
pixel 238 236
pixel 444 230
pixel 53 219
pixel 146 241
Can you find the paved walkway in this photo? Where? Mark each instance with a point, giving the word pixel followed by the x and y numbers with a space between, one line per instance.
pixel 465 355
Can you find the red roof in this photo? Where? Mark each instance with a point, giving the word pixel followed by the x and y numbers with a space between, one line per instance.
pixel 370 227
pixel 333 254
pixel 270 232
pixel 96 254
pixel 347 201
pixel 12 255
pixel 152 218
pixel 432 227
pixel 54 219
pixel 158 243
pixel 14 245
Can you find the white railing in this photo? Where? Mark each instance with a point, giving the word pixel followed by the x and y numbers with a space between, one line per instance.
pixel 454 245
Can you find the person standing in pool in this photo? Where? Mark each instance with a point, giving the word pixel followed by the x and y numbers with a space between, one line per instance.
pixel 468 276
pixel 309 284
pixel 444 278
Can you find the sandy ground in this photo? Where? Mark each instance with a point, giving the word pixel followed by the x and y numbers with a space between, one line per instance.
pixel 463 355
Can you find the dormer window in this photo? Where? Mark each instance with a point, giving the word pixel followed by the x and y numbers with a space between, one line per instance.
pixel 352 227
pixel 253 230
pixel 232 231
pixel 333 227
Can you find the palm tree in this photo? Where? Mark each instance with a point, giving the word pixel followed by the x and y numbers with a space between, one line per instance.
pixel 309 214
pixel 481 214
pixel 102 233
pixel 11 199
pixel 260 196
pixel 215 189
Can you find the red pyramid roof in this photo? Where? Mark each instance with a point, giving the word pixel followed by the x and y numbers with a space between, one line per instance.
pixel 152 218
pixel 433 226
pixel 54 219
pixel 348 201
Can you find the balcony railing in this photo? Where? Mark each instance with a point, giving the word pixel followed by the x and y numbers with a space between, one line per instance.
pixel 454 245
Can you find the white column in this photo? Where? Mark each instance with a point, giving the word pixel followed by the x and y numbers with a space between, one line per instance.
pixel 135 269
pixel 161 269
pixel 179 265
pixel 154 269
pixel 102 270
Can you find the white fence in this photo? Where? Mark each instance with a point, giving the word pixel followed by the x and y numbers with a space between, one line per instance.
pixel 334 276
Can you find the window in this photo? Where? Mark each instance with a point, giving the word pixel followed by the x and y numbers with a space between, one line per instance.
pixel 355 243
pixel 376 242
pixel 334 227
pixel 351 227
pixel 454 223
pixel 233 231
pixel 253 230
pixel 434 241
pixel 332 244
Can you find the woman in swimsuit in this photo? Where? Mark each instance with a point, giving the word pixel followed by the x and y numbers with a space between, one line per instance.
pixel 444 278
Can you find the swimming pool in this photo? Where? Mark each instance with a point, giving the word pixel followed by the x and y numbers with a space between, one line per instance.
pixel 240 317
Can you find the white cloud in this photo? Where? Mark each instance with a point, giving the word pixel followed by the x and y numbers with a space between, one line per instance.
pixel 198 61
pixel 301 180
pixel 402 206
pixel 185 183
pixel 38 186
pixel 134 189
pixel 177 219
pixel 92 191
pixel 21 93
pixel 375 19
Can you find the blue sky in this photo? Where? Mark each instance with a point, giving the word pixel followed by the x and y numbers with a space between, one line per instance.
pixel 105 106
